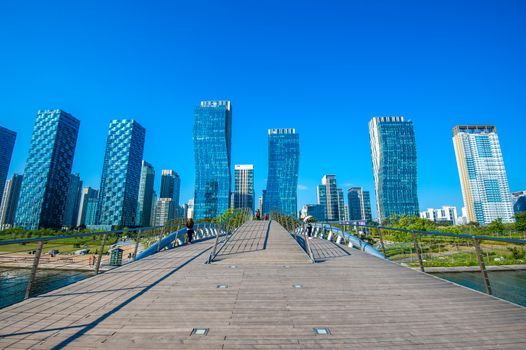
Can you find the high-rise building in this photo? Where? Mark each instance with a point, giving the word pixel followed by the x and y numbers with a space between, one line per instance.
pixel 121 174
pixel 283 165
pixel 170 186
pixel 144 202
pixel 165 211
pixel 483 178
pixel 71 214
pixel 212 135
pixel 341 205
pixel 46 176
pixel 92 206
pixel 317 211
pixel 519 201
pixel 244 186
pixel 89 195
pixel 10 201
pixel 327 196
pixel 393 149
pixel 190 211
pixel 445 214
pixel 359 204
pixel 7 143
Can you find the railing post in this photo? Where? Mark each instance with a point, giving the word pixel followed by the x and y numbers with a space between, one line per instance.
pixel 482 265
pixel 381 239
pixel 136 245
pixel 99 259
pixel 418 252
pixel 34 268
pixel 160 239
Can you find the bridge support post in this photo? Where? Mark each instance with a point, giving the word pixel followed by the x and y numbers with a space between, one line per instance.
pixel 482 265
pixel 418 253
pixel 34 268
pixel 380 233
pixel 99 259
pixel 136 245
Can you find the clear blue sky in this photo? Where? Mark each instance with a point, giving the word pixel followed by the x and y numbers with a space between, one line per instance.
pixel 323 67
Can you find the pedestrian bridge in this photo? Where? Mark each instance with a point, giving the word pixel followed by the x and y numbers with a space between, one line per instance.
pixel 262 291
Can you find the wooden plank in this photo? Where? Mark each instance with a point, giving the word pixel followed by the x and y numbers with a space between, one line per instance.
pixel 366 302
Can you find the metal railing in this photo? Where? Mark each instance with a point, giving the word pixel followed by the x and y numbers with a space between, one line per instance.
pixel 227 229
pixel 27 265
pixel 435 251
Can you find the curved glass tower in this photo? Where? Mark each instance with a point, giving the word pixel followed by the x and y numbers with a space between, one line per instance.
pixel 393 149
pixel 283 166
pixel 212 136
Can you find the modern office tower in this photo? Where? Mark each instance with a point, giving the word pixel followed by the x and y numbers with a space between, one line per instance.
pixel 283 165
pixel 341 204
pixel 190 211
pixel 7 143
pixel 121 174
pixel 244 186
pixel 87 194
pixel 482 174
pixel 92 205
pixel 154 206
pixel 46 177
pixel 346 210
pixel 446 214
pixel 144 202
pixel 327 196
pixel 71 214
pixel 212 135
pixel 260 204
pixel 170 185
pixel 359 204
pixel 393 149
pixel 519 201
pixel 10 201
pixel 165 211
pixel 317 211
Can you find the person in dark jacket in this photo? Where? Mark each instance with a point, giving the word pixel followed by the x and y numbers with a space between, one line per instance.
pixel 189 230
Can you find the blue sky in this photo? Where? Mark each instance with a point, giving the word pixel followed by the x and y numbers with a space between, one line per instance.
pixel 323 67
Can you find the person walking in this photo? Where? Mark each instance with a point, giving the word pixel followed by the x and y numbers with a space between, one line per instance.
pixel 309 229
pixel 258 215
pixel 189 230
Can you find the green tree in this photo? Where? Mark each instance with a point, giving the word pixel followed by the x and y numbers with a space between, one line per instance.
pixel 520 221
pixel 496 226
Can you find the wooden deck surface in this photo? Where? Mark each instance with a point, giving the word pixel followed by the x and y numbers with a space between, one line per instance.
pixel 367 303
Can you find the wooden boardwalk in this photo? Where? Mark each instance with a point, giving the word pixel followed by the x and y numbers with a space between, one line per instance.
pixel 274 298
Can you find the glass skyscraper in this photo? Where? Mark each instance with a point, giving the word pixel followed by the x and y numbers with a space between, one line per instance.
pixel 7 143
pixel 89 196
pixel 483 178
pixel 283 165
pixel 10 201
pixel 170 186
pixel 393 149
pixel 121 174
pixel 71 213
pixel 327 196
pixel 144 203
pixel 359 204
pixel 46 177
pixel 212 136
pixel 244 186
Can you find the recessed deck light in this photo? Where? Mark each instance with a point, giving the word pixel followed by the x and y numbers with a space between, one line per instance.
pixel 200 331
pixel 322 331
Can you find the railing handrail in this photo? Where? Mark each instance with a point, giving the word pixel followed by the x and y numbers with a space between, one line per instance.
pixel 446 234
pixel 77 235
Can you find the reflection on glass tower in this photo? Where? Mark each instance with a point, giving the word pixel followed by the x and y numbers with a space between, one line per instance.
pixel 121 174
pixel 7 143
pixel 46 176
pixel 283 166
pixel 212 148
pixel 393 149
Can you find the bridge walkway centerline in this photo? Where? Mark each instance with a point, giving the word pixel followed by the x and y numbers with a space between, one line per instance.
pixel 366 302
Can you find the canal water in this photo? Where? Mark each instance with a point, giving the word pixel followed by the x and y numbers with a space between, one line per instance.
pixel 507 285
pixel 13 283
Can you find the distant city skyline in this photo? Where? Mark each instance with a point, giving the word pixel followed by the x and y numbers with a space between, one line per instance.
pixel 449 63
